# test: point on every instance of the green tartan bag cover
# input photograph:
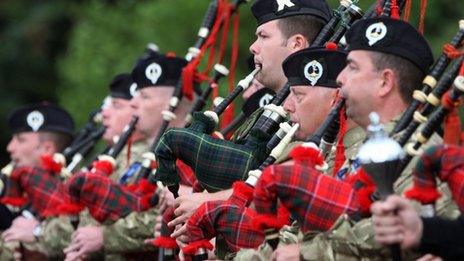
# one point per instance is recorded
(216, 163)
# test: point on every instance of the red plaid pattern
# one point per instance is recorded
(187, 177)
(12, 194)
(234, 223)
(165, 240)
(43, 188)
(105, 199)
(315, 200)
(445, 162)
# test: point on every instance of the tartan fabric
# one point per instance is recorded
(43, 188)
(315, 200)
(165, 240)
(12, 193)
(105, 199)
(234, 223)
(187, 177)
(216, 163)
(445, 162)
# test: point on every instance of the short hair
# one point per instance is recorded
(306, 25)
(409, 75)
(60, 140)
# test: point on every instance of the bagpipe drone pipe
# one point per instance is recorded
(440, 162)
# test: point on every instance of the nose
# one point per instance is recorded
(105, 113)
(134, 102)
(289, 105)
(10, 147)
(254, 47)
(341, 78)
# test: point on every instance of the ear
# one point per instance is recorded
(389, 82)
(297, 42)
(48, 147)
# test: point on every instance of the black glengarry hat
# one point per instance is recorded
(158, 70)
(41, 117)
(122, 86)
(314, 66)
(391, 36)
(267, 10)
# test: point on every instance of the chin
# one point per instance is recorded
(299, 136)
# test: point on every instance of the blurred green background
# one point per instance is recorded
(68, 51)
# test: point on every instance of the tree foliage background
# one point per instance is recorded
(68, 51)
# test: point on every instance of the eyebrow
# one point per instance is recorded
(350, 60)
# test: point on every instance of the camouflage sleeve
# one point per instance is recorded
(287, 235)
(55, 236)
(128, 234)
(347, 240)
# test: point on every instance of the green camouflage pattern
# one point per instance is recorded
(137, 150)
(128, 234)
(352, 140)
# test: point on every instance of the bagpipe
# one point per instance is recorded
(262, 187)
(182, 143)
(430, 81)
(229, 161)
(434, 161)
(85, 188)
(38, 189)
(199, 226)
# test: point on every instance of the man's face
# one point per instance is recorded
(308, 106)
(25, 149)
(148, 105)
(359, 80)
(270, 50)
(116, 115)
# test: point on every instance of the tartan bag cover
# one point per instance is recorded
(105, 199)
(44, 189)
(216, 163)
(315, 200)
(233, 222)
(445, 162)
(12, 193)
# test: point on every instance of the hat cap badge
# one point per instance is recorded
(35, 120)
(376, 32)
(281, 4)
(265, 100)
(153, 72)
(133, 89)
(313, 71)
